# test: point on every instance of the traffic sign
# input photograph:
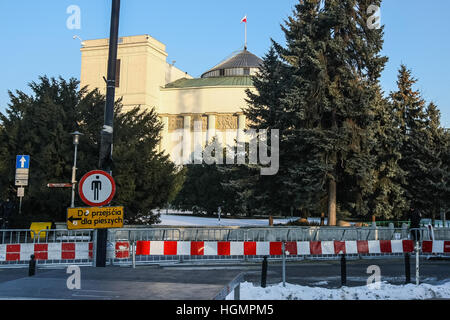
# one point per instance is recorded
(97, 188)
(95, 218)
(22, 170)
(59, 185)
(22, 162)
(20, 192)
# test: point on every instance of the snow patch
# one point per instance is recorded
(385, 292)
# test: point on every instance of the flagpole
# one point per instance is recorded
(245, 46)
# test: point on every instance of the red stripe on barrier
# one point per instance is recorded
(363, 246)
(13, 248)
(446, 246)
(41, 251)
(91, 250)
(291, 247)
(223, 248)
(276, 249)
(198, 248)
(250, 248)
(385, 246)
(427, 246)
(339, 247)
(408, 246)
(12, 252)
(68, 251)
(316, 247)
(122, 250)
(170, 248)
(142, 248)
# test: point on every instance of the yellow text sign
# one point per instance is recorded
(95, 218)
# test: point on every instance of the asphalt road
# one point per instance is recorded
(201, 282)
(115, 283)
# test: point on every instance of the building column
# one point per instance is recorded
(163, 144)
(187, 140)
(211, 133)
(241, 127)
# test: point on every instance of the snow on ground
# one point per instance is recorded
(386, 291)
(187, 220)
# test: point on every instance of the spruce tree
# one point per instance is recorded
(331, 69)
(424, 146)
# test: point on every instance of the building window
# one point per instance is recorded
(222, 72)
(246, 71)
(118, 73)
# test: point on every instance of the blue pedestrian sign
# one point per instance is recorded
(23, 162)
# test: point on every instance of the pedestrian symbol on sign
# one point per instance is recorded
(96, 186)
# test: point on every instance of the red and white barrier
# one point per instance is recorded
(121, 250)
(46, 251)
(250, 248)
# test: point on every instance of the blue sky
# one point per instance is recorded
(200, 33)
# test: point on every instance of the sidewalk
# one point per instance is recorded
(115, 283)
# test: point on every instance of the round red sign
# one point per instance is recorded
(97, 188)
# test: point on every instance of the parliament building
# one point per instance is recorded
(145, 78)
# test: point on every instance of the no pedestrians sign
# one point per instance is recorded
(97, 188)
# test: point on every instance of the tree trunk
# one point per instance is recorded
(332, 202)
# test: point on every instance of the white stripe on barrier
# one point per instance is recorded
(263, 248)
(303, 248)
(438, 246)
(328, 247)
(210, 249)
(397, 246)
(54, 251)
(2, 252)
(236, 248)
(374, 246)
(26, 250)
(351, 247)
(157, 248)
(82, 250)
(183, 248)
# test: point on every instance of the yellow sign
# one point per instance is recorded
(95, 218)
(37, 227)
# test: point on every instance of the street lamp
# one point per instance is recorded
(76, 140)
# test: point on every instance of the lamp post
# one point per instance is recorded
(76, 140)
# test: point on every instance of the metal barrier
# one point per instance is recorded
(269, 234)
(49, 247)
(76, 246)
(13, 236)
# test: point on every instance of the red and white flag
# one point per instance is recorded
(244, 19)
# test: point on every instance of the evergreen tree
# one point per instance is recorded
(387, 198)
(326, 110)
(423, 147)
(40, 125)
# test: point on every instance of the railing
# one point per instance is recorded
(223, 234)
(272, 234)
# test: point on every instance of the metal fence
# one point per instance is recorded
(19, 236)
(272, 234)
(127, 239)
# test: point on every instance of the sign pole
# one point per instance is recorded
(106, 146)
(20, 205)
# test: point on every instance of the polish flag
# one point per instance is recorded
(244, 19)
